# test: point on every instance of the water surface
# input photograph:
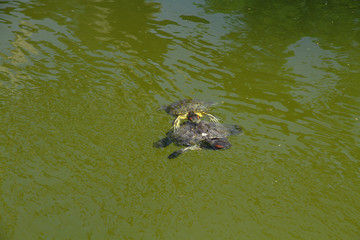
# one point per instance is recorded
(80, 87)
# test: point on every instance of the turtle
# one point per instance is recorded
(181, 109)
(196, 136)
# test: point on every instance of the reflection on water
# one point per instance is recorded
(79, 91)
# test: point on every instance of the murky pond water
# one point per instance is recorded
(81, 83)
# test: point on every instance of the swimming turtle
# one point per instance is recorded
(181, 109)
(195, 136)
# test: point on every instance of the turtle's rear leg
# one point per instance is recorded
(212, 117)
(234, 129)
(179, 152)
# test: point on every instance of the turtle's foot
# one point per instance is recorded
(212, 118)
(175, 154)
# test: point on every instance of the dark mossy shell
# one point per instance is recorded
(191, 133)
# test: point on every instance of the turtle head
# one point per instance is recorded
(193, 117)
(217, 143)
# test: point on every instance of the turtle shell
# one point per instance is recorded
(188, 105)
(191, 133)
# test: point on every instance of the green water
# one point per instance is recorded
(80, 87)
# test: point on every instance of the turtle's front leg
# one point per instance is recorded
(176, 123)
